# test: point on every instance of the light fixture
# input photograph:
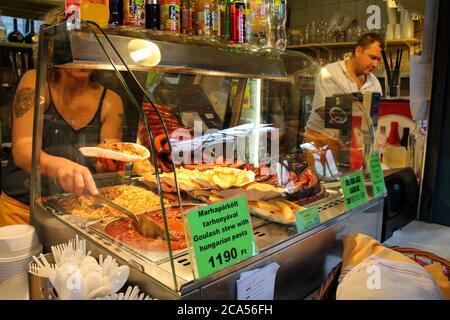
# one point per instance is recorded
(145, 52)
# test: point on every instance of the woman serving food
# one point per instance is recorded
(78, 112)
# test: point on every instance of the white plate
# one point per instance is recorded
(114, 155)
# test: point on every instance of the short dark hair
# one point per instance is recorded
(367, 39)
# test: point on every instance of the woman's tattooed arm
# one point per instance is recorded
(23, 101)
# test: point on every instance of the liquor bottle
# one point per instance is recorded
(394, 138)
(31, 37)
(116, 12)
(152, 18)
(3, 33)
(15, 35)
(404, 141)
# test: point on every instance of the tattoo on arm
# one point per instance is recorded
(23, 101)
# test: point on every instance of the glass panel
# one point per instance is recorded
(262, 126)
(231, 123)
(90, 135)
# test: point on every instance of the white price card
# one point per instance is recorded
(258, 284)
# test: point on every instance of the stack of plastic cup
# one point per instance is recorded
(18, 244)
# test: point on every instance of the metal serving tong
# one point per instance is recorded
(145, 226)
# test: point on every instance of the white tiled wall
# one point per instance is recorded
(305, 11)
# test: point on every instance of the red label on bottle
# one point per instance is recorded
(237, 18)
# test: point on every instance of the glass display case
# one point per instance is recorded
(201, 124)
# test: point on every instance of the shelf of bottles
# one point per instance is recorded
(15, 38)
(236, 25)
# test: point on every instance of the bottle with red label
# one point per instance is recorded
(170, 15)
(237, 21)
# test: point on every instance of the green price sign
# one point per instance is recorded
(306, 219)
(376, 173)
(221, 235)
(354, 190)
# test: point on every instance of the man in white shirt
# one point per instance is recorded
(342, 77)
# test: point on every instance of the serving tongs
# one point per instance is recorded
(144, 225)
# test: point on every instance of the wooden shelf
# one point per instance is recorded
(408, 42)
(15, 45)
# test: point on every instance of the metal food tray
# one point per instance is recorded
(155, 257)
(98, 226)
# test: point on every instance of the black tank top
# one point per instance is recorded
(58, 139)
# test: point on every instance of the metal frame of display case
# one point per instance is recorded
(304, 258)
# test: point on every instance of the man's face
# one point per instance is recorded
(369, 58)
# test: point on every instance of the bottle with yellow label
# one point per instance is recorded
(95, 10)
(170, 15)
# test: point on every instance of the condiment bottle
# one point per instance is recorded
(134, 13)
(152, 17)
(394, 138)
(237, 21)
(187, 17)
(170, 15)
(116, 12)
(404, 141)
(205, 18)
